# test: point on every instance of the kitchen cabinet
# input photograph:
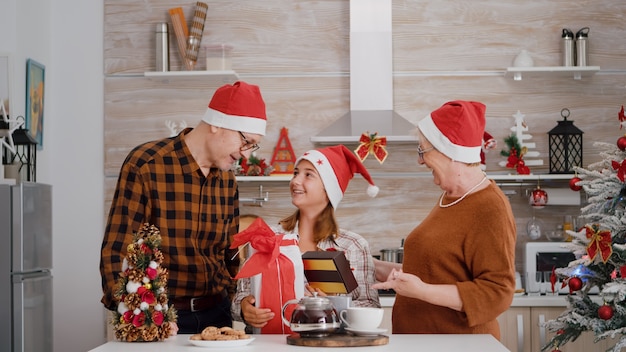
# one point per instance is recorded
(521, 331)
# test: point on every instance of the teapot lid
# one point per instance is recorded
(315, 301)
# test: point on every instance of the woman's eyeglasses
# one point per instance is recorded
(421, 152)
(247, 145)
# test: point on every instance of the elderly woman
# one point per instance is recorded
(458, 273)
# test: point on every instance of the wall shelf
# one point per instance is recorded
(219, 77)
(279, 178)
(495, 177)
(576, 72)
(531, 177)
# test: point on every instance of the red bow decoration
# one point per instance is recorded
(372, 144)
(621, 117)
(513, 161)
(276, 269)
(621, 169)
(553, 279)
(600, 243)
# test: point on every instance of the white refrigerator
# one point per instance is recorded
(26, 267)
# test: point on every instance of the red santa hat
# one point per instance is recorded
(336, 166)
(456, 130)
(238, 107)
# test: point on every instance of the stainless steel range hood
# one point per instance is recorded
(371, 79)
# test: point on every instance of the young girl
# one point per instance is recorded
(319, 180)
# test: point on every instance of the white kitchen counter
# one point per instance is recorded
(518, 301)
(278, 343)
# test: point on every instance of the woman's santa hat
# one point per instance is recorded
(336, 166)
(238, 107)
(456, 129)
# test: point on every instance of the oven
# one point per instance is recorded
(543, 257)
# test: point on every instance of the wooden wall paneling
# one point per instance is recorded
(297, 52)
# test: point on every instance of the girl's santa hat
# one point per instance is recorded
(237, 107)
(456, 129)
(336, 166)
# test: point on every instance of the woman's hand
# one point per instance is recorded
(404, 284)
(382, 269)
(310, 290)
(253, 316)
(409, 285)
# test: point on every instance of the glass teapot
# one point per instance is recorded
(312, 316)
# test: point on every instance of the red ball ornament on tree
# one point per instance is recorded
(572, 184)
(621, 142)
(605, 312)
(575, 284)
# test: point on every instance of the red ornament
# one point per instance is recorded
(572, 184)
(538, 198)
(575, 284)
(621, 143)
(556, 349)
(605, 312)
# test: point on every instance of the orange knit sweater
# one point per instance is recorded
(470, 244)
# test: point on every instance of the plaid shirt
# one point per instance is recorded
(161, 184)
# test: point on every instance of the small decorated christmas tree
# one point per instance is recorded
(600, 249)
(143, 313)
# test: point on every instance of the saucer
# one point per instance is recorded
(372, 332)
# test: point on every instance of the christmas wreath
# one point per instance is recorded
(143, 313)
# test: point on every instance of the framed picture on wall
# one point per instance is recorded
(35, 83)
(5, 83)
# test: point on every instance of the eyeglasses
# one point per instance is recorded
(421, 152)
(247, 145)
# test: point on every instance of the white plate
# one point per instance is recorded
(372, 332)
(221, 343)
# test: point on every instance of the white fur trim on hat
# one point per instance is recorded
(248, 124)
(444, 145)
(327, 173)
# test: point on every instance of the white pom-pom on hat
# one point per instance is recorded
(372, 190)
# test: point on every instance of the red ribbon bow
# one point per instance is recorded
(372, 144)
(621, 117)
(513, 161)
(621, 169)
(600, 243)
(276, 269)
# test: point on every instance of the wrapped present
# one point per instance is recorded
(275, 270)
(329, 271)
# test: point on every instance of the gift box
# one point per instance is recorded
(329, 271)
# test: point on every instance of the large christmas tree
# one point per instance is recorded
(600, 249)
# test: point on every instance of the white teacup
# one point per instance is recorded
(362, 318)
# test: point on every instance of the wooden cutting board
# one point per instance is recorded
(337, 340)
